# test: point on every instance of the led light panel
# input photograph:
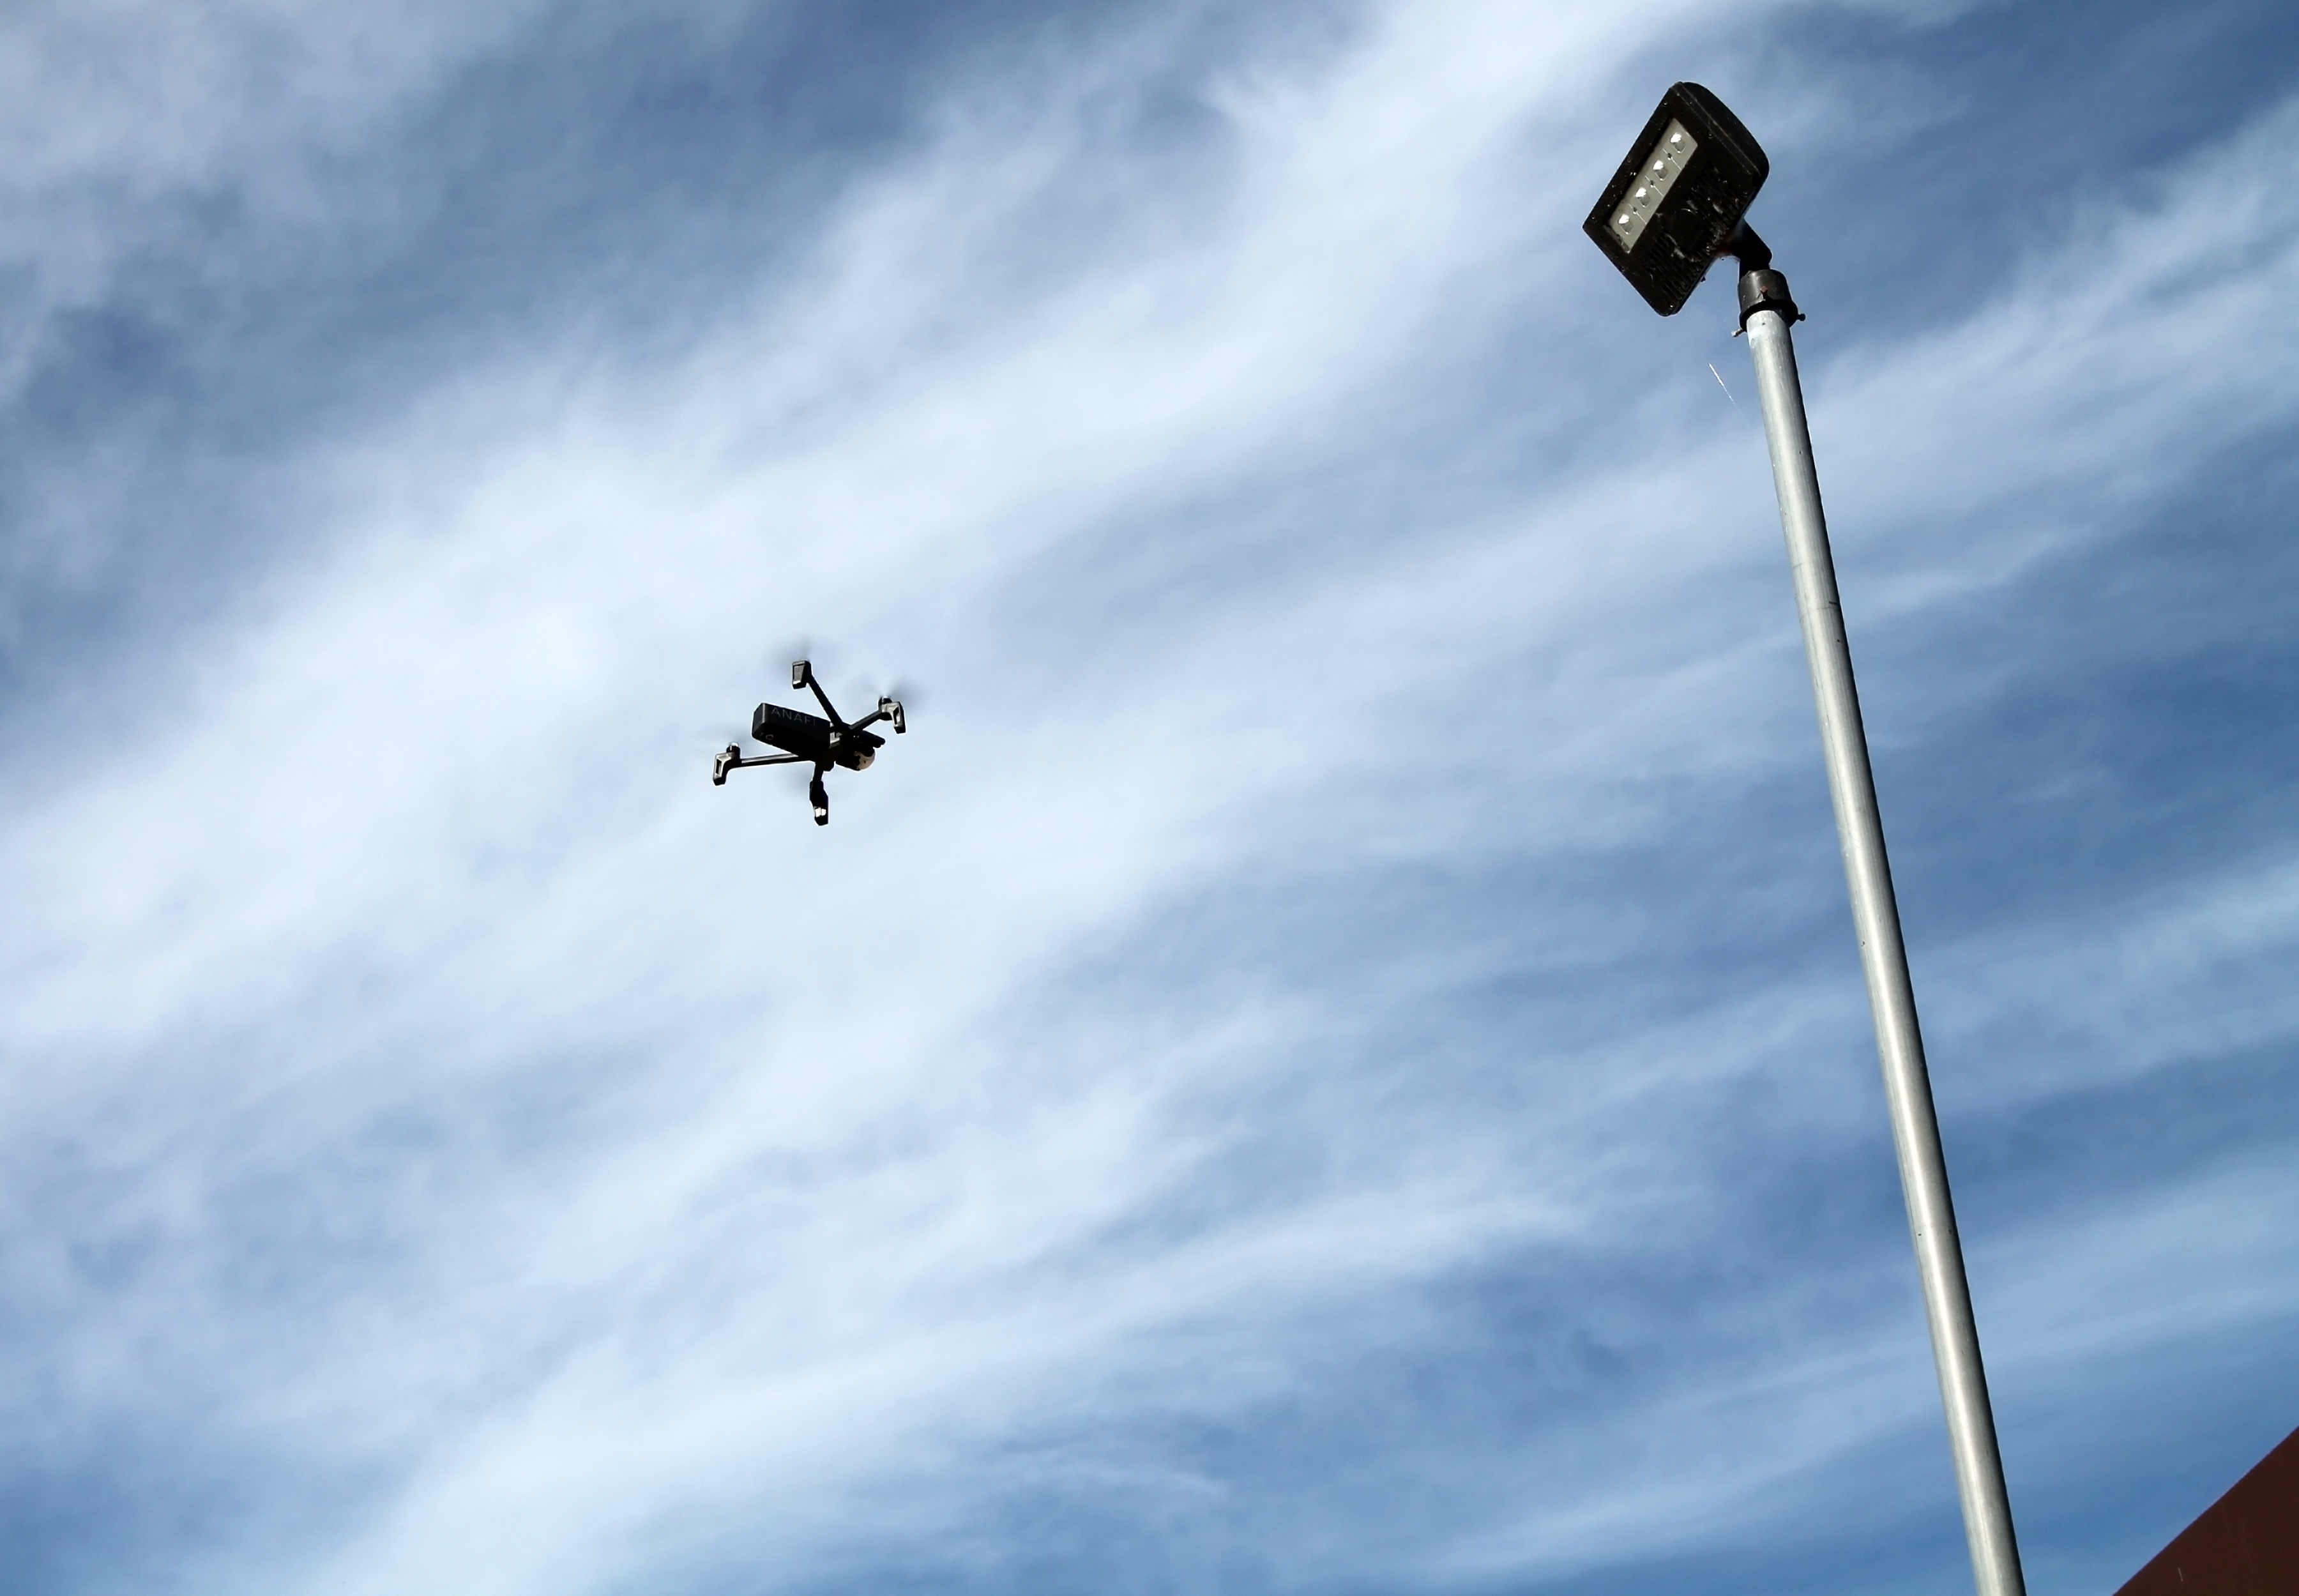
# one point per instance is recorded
(1674, 202)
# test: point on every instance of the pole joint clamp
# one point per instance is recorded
(1766, 290)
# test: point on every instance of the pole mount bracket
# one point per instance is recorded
(1765, 289)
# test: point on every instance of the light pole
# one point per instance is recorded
(1676, 205)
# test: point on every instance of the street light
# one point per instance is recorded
(1674, 207)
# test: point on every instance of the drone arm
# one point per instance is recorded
(888, 709)
(802, 676)
(733, 760)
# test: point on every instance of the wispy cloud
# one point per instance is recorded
(1329, 1054)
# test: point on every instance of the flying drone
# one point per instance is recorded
(810, 740)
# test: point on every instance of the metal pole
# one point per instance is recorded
(1767, 313)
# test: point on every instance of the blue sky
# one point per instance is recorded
(1331, 1057)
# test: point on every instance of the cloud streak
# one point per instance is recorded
(1328, 1057)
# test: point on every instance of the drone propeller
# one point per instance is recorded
(909, 693)
(895, 703)
(709, 737)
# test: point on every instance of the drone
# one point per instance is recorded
(810, 740)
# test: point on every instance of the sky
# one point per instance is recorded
(1331, 1057)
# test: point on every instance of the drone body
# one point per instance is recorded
(807, 739)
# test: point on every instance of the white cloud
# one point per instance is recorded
(660, 1173)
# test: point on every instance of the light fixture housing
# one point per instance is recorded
(1679, 196)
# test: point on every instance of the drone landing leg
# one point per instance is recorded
(815, 790)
